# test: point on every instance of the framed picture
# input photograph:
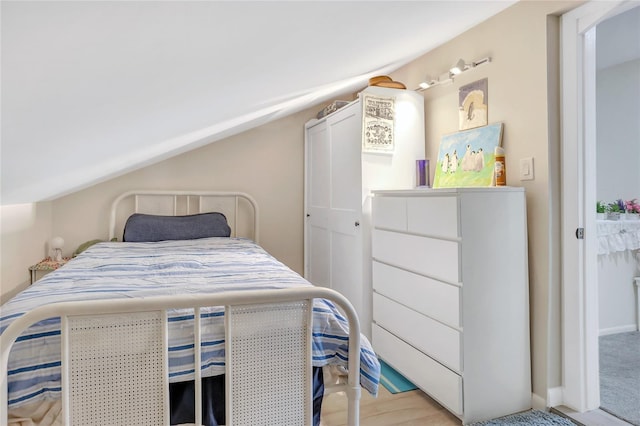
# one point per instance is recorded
(378, 124)
(466, 159)
(473, 105)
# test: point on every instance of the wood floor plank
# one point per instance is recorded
(413, 408)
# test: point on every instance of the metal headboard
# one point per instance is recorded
(240, 209)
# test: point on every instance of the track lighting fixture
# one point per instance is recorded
(460, 66)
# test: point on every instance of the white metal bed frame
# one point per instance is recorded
(174, 203)
(236, 405)
(244, 389)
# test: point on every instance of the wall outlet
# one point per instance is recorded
(526, 168)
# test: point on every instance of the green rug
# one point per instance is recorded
(393, 381)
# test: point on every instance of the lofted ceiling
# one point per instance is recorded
(94, 89)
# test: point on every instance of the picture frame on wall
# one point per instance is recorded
(473, 105)
(378, 122)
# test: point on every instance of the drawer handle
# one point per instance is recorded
(357, 223)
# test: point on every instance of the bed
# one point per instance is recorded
(214, 278)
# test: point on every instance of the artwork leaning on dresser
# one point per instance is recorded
(451, 296)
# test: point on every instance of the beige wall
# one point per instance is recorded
(25, 231)
(522, 42)
(267, 162)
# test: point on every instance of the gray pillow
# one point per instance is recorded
(146, 227)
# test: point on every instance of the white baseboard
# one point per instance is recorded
(616, 330)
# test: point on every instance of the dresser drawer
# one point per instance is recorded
(437, 340)
(429, 256)
(439, 382)
(433, 298)
(390, 213)
(433, 216)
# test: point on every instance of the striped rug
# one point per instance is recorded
(393, 381)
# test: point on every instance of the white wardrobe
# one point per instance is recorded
(339, 178)
(451, 296)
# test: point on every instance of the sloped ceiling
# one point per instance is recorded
(91, 90)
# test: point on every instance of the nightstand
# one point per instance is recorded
(45, 266)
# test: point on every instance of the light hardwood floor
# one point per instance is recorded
(415, 408)
(406, 408)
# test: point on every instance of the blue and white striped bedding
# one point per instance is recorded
(125, 270)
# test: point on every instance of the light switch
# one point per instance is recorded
(526, 168)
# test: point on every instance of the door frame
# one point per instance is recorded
(580, 360)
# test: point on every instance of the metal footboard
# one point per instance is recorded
(139, 326)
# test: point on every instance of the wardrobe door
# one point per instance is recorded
(317, 236)
(345, 213)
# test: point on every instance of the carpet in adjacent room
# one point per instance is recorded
(620, 375)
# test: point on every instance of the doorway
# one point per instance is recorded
(580, 256)
(618, 178)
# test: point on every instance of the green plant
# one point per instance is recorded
(601, 207)
(614, 207)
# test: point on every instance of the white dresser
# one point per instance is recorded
(451, 296)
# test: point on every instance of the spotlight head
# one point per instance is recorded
(459, 67)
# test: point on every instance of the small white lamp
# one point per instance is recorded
(56, 245)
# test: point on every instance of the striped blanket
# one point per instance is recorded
(127, 270)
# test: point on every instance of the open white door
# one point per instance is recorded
(579, 256)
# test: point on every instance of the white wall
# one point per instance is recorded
(618, 131)
(616, 292)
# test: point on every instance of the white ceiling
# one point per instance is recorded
(612, 34)
(91, 90)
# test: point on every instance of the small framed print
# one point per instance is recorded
(473, 105)
(378, 124)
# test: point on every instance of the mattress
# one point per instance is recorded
(131, 270)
